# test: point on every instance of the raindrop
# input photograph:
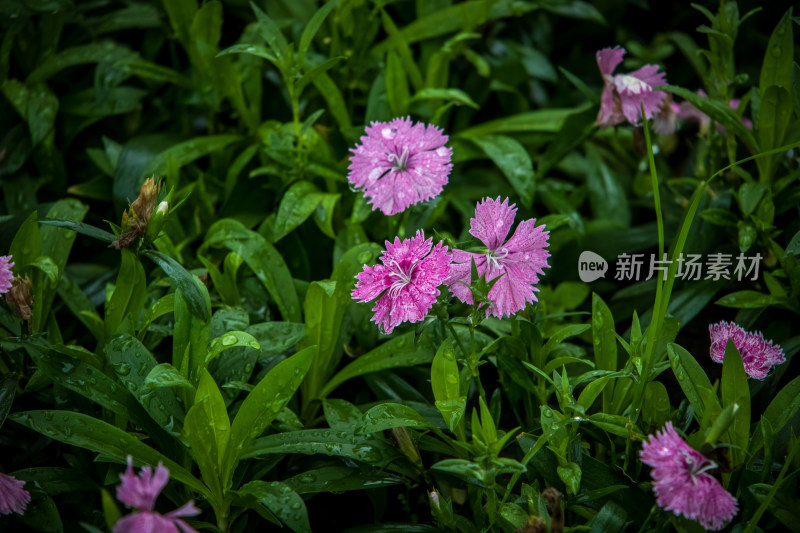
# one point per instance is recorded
(229, 340)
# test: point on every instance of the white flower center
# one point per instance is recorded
(633, 85)
(403, 278)
(495, 258)
(696, 467)
(399, 162)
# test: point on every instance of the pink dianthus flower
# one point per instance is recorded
(399, 164)
(520, 260)
(758, 354)
(682, 483)
(408, 279)
(686, 111)
(140, 492)
(624, 94)
(13, 498)
(5, 273)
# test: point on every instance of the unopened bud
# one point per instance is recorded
(157, 222)
(406, 444)
(136, 218)
(20, 299)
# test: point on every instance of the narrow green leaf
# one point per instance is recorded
(604, 341)
(262, 405)
(281, 500)
(397, 352)
(312, 28)
(92, 434)
(264, 260)
(192, 289)
(778, 57)
(690, 376)
(82, 228)
(231, 339)
(165, 375)
(270, 32)
(512, 158)
(391, 415)
(365, 448)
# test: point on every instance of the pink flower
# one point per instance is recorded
(623, 94)
(682, 483)
(5, 273)
(758, 354)
(140, 492)
(519, 260)
(688, 112)
(399, 164)
(408, 279)
(13, 498)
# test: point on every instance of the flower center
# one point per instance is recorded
(696, 467)
(399, 162)
(633, 85)
(402, 277)
(495, 258)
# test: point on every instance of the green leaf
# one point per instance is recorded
(82, 228)
(8, 386)
(541, 121)
(192, 289)
(316, 71)
(774, 117)
(604, 341)
(446, 385)
(610, 519)
(690, 376)
(339, 479)
(512, 158)
(397, 352)
(403, 50)
(132, 362)
(166, 375)
(778, 58)
(92, 434)
(456, 96)
(107, 52)
(270, 32)
(391, 415)
(333, 97)
(281, 500)
(186, 152)
(396, 85)
(780, 410)
(656, 406)
(324, 315)
(747, 300)
(262, 405)
(749, 196)
(207, 430)
(231, 339)
(297, 204)
(276, 337)
(83, 378)
(262, 258)
(368, 449)
(312, 28)
(129, 294)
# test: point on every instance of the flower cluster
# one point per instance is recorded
(411, 272)
(758, 354)
(13, 498)
(399, 164)
(682, 483)
(624, 94)
(140, 492)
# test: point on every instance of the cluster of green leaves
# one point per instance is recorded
(227, 345)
